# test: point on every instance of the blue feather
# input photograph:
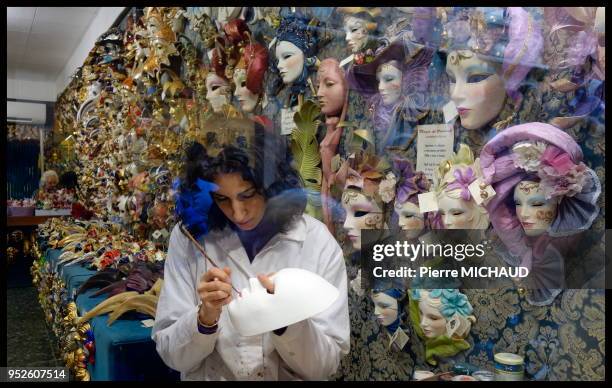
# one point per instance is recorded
(192, 206)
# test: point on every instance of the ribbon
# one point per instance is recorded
(462, 182)
(560, 161)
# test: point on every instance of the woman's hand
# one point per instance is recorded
(267, 282)
(215, 290)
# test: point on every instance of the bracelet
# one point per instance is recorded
(207, 326)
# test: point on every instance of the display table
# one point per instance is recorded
(125, 350)
(27, 220)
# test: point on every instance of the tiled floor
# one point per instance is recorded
(29, 342)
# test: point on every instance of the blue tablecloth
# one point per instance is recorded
(124, 350)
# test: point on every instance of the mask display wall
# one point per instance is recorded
(362, 81)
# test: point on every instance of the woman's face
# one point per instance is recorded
(389, 82)
(356, 33)
(385, 308)
(217, 91)
(361, 213)
(534, 211)
(239, 200)
(332, 90)
(456, 213)
(246, 98)
(290, 61)
(475, 87)
(432, 322)
(411, 220)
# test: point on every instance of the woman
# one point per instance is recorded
(257, 227)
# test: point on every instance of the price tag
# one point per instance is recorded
(450, 112)
(287, 123)
(399, 338)
(434, 144)
(428, 202)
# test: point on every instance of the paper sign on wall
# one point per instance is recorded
(434, 144)
(287, 123)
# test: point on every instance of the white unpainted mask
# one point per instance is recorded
(298, 294)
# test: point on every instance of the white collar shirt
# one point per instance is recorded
(307, 350)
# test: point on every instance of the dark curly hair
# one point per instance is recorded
(266, 163)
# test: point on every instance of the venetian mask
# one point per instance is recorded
(534, 211)
(476, 88)
(389, 78)
(432, 321)
(331, 87)
(217, 91)
(410, 219)
(444, 312)
(246, 98)
(361, 213)
(385, 308)
(290, 61)
(457, 213)
(356, 33)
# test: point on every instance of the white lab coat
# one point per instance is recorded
(310, 349)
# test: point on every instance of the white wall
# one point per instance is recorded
(103, 20)
(27, 87)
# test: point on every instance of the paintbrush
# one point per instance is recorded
(197, 244)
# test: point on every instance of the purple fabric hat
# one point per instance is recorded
(410, 183)
(510, 37)
(576, 211)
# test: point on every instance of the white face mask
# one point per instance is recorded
(389, 82)
(290, 61)
(385, 308)
(457, 213)
(534, 211)
(361, 213)
(246, 98)
(432, 322)
(356, 33)
(217, 91)
(298, 294)
(410, 219)
(475, 87)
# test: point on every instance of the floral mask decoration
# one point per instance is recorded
(559, 175)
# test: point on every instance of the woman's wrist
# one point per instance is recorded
(205, 321)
